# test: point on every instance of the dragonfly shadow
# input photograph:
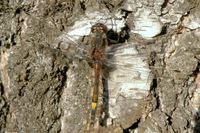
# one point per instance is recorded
(106, 69)
(105, 76)
(118, 37)
(105, 103)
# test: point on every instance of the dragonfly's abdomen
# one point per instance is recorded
(97, 69)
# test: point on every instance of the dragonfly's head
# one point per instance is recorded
(98, 36)
(99, 28)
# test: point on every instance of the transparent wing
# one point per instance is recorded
(122, 57)
(72, 46)
(128, 78)
(125, 57)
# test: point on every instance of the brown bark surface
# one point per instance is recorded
(46, 88)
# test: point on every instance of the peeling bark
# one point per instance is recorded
(45, 83)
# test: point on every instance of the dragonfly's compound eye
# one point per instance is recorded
(101, 29)
(94, 29)
(104, 28)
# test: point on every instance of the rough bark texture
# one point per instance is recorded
(45, 89)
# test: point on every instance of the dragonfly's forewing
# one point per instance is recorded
(72, 46)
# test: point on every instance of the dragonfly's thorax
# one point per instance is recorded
(97, 56)
(98, 36)
(98, 42)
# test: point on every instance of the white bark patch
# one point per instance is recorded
(195, 100)
(68, 112)
(128, 84)
(147, 24)
(192, 21)
(4, 71)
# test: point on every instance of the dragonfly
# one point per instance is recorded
(97, 50)
(121, 73)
